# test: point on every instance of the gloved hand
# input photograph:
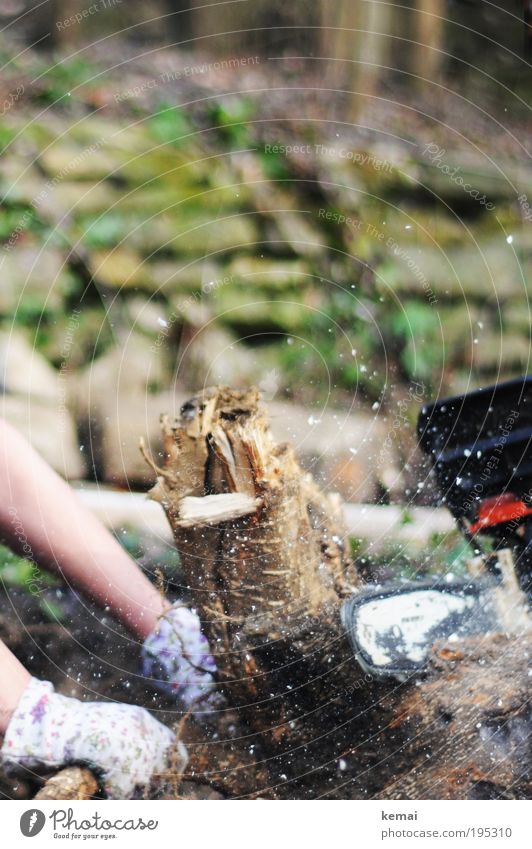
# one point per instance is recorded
(123, 742)
(177, 656)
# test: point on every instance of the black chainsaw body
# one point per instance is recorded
(480, 445)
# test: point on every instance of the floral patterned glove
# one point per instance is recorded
(177, 656)
(125, 743)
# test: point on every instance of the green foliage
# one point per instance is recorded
(106, 231)
(52, 610)
(170, 125)
(443, 554)
(231, 116)
(343, 346)
(356, 545)
(141, 548)
(15, 216)
(414, 327)
(130, 539)
(62, 77)
(18, 572)
(274, 165)
(453, 553)
(6, 136)
(394, 562)
(31, 311)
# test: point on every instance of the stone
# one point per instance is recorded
(66, 160)
(50, 430)
(120, 268)
(296, 230)
(208, 237)
(18, 185)
(83, 197)
(146, 233)
(215, 356)
(126, 420)
(116, 401)
(263, 312)
(516, 317)
(174, 167)
(488, 271)
(349, 453)
(155, 197)
(171, 277)
(496, 179)
(23, 371)
(495, 351)
(146, 315)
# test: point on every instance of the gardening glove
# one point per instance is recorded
(124, 743)
(176, 654)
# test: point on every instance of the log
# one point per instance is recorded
(268, 584)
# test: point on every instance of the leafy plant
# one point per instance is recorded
(106, 231)
(231, 116)
(415, 329)
(169, 125)
(60, 78)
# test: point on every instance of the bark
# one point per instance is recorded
(268, 584)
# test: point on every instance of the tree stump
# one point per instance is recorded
(267, 562)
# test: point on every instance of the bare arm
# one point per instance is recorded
(13, 681)
(43, 519)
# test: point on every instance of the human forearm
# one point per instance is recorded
(43, 519)
(13, 681)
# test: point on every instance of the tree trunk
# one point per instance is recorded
(356, 37)
(428, 52)
(266, 559)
